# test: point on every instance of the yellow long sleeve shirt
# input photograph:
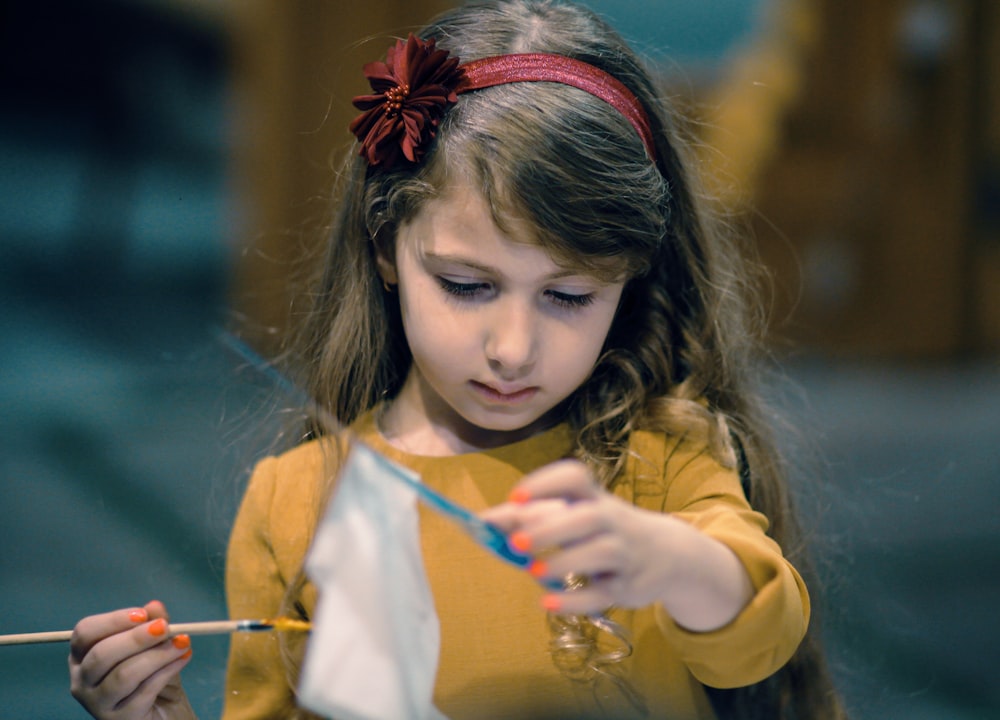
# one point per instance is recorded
(495, 660)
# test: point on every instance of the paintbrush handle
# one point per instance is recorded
(38, 637)
(217, 627)
(212, 627)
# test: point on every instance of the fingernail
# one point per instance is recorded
(519, 496)
(520, 541)
(138, 615)
(186, 655)
(157, 627)
(538, 569)
(552, 603)
(181, 642)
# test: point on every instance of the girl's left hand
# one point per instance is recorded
(630, 557)
(559, 515)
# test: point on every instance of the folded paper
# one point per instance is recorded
(373, 650)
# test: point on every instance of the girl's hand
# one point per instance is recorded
(630, 557)
(124, 665)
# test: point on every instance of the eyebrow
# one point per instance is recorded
(472, 264)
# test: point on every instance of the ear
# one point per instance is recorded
(386, 269)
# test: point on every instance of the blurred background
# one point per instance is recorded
(162, 163)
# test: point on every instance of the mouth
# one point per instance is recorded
(504, 395)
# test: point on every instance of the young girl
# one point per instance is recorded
(524, 301)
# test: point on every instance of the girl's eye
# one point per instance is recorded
(568, 300)
(460, 289)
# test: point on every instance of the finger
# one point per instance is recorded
(126, 677)
(603, 556)
(568, 479)
(95, 628)
(510, 519)
(505, 516)
(156, 609)
(111, 652)
(547, 526)
(148, 676)
(592, 599)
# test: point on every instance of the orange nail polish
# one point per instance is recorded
(520, 542)
(551, 603)
(519, 496)
(138, 615)
(538, 569)
(157, 627)
(181, 642)
(186, 655)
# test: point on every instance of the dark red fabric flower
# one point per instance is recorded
(413, 87)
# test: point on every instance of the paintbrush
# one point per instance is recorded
(484, 533)
(213, 627)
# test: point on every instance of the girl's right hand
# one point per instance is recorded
(123, 665)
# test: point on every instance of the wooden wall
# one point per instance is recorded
(296, 66)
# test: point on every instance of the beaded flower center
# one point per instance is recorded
(394, 99)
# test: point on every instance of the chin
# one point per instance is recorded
(509, 422)
(502, 424)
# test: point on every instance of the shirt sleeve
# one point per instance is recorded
(763, 637)
(256, 684)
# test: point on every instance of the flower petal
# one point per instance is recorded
(412, 90)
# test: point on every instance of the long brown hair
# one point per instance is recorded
(681, 353)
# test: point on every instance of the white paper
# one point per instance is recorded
(373, 650)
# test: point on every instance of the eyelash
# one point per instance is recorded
(471, 290)
(461, 290)
(570, 301)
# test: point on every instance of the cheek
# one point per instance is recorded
(431, 329)
(589, 353)
(576, 352)
(597, 338)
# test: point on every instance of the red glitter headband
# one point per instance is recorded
(417, 82)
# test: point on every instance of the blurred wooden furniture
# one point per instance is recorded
(875, 202)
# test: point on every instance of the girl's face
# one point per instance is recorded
(500, 334)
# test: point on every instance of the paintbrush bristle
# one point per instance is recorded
(283, 624)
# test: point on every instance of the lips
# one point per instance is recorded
(507, 395)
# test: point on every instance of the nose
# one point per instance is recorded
(512, 339)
